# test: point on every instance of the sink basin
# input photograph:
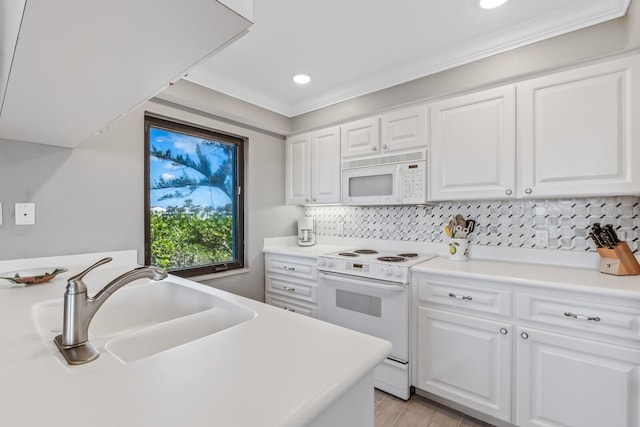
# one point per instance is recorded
(143, 319)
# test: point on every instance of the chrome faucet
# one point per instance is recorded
(79, 309)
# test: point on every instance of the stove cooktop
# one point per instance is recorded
(383, 265)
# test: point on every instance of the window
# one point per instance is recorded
(193, 199)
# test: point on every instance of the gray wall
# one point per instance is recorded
(91, 199)
(601, 40)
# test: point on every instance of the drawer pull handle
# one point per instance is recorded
(465, 297)
(289, 268)
(504, 331)
(287, 288)
(524, 335)
(582, 316)
(289, 309)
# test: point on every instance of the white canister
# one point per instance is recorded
(458, 249)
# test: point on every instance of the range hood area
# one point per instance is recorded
(69, 68)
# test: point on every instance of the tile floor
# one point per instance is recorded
(417, 412)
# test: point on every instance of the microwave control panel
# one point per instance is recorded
(414, 182)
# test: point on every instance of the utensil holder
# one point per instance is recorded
(618, 261)
(458, 249)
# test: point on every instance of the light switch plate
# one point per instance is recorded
(25, 213)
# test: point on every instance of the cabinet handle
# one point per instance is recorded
(504, 331)
(289, 309)
(527, 190)
(384, 146)
(289, 268)
(524, 335)
(508, 192)
(314, 200)
(287, 288)
(374, 148)
(582, 316)
(306, 200)
(452, 295)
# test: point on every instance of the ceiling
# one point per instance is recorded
(354, 47)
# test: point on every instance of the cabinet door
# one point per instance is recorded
(564, 381)
(473, 146)
(298, 172)
(360, 138)
(576, 131)
(325, 166)
(405, 129)
(466, 359)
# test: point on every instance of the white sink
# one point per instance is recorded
(143, 319)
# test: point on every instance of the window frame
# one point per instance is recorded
(198, 131)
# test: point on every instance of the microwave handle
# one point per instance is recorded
(364, 283)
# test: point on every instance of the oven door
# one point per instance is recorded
(374, 307)
(371, 185)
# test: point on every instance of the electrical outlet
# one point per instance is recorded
(542, 238)
(25, 213)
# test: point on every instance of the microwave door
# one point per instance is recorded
(371, 186)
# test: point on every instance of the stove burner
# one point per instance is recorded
(347, 254)
(391, 258)
(365, 251)
(409, 255)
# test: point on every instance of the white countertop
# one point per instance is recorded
(551, 276)
(580, 273)
(278, 369)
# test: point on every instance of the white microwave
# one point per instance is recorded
(398, 179)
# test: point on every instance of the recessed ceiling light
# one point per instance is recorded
(490, 4)
(301, 79)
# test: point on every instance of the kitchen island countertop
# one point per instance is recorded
(277, 369)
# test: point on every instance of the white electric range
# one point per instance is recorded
(368, 291)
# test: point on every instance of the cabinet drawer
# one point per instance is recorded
(294, 306)
(610, 320)
(297, 289)
(479, 299)
(304, 268)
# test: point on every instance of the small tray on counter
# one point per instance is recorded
(32, 276)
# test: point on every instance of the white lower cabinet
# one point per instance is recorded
(291, 283)
(565, 381)
(542, 358)
(466, 359)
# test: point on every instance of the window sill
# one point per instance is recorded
(213, 276)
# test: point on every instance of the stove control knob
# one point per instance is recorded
(322, 262)
(388, 271)
(330, 263)
(398, 273)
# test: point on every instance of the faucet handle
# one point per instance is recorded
(75, 284)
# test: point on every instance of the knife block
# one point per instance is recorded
(619, 261)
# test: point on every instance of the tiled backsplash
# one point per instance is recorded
(498, 223)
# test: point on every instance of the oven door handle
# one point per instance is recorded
(363, 283)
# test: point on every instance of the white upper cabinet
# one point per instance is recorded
(313, 167)
(360, 138)
(78, 65)
(566, 134)
(325, 166)
(399, 130)
(404, 129)
(472, 150)
(298, 172)
(576, 131)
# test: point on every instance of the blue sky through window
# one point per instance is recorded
(177, 143)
